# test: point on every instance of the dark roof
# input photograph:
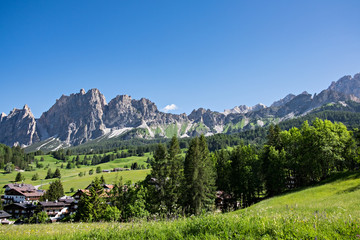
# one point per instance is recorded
(67, 201)
(104, 186)
(51, 204)
(4, 214)
(21, 205)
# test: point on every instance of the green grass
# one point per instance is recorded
(183, 128)
(70, 177)
(171, 130)
(327, 211)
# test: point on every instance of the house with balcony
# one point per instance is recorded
(20, 192)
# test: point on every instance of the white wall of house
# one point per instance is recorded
(14, 198)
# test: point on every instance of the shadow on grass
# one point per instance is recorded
(334, 177)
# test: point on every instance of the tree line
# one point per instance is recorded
(235, 178)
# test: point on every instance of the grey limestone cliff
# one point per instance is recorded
(19, 127)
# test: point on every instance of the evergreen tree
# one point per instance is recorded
(57, 173)
(35, 177)
(199, 189)
(19, 177)
(167, 175)
(102, 180)
(223, 170)
(273, 137)
(49, 174)
(159, 175)
(91, 207)
(55, 191)
(175, 177)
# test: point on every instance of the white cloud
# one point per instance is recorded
(170, 107)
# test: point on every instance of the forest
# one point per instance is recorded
(236, 178)
(200, 180)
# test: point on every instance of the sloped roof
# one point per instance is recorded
(20, 186)
(4, 214)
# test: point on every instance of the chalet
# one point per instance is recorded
(17, 210)
(20, 192)
(4, 217)
(80, 192)
(106, 187)
(54, 209)
(120, 169)
(69, 203)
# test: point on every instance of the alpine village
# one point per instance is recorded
(127, 162)
(177, 120)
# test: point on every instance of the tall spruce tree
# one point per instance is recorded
(166, 175)
(19, 177)
(159, 175)
(175, 177)
(199, 188)
(55, 191)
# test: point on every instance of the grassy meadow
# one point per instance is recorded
(70, 177)
(330, 210)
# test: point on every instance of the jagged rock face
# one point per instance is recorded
(347, 85)
(329, 96)
(123, 111)
(283, 101)
(242, 109)
(19, 127)
(75, 118)
(80, 117)
(208, 117)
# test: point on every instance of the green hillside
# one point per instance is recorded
(327, 211)
(70, 177)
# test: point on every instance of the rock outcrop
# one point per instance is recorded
(347, 85)
(80, 117)
(74, 119)
(18, 128)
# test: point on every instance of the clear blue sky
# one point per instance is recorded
(211, 54)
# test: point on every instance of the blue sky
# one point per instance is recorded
(211, 54)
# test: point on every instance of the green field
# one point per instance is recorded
(327, 211)
(70, 177)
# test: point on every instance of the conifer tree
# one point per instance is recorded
(199, 189)
(175, 176)
(19, 177)
(159, 175)
(49, 174)
(55, 191)
(57, 173)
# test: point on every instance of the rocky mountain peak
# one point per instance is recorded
(79, 117)
(347, 85)
(75, 118)
(283, 101)
(2, 116)
(18, 127)
(242, 109)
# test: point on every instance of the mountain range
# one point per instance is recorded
(84, 116)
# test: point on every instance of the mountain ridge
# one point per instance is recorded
(84, 116)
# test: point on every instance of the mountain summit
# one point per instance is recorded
(84, 116)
